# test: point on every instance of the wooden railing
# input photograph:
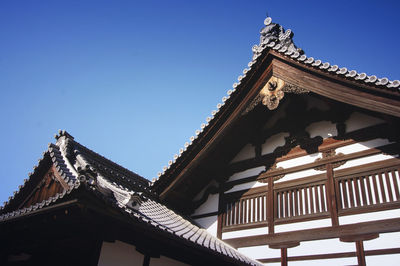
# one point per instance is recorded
(372, 187)
(368, 189)
(246, 210)
(304, 200)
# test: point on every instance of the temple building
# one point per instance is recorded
(297, 165)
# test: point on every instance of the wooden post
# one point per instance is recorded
(221, 208)
(360, 253)
(331, 195)
(146, 260)
(270, 205)
(284, 257)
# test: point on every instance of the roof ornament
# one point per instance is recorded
(274, 34)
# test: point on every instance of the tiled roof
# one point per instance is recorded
(274, 37)
(126, 191)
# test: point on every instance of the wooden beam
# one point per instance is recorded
(360, 253)
(373, 227)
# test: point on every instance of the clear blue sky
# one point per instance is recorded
(133, 80)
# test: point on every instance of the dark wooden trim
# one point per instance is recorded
(220, 213)
(209, 214)
(360, 253)
(238, 227)
(377, 227)
(359, 135)
(146, 260)
(270, 205)
(244, 193)
(331, 195)
(355, 238)
(351, 156)
(336, 89)
(374, 252)
(284, 258)
(302, 218)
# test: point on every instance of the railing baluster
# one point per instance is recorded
(350, 186)
(376, 191)
(301, 201)
(311, 194)
(344, 191)
(382, 186)
(316, 196)
(322, 195)
(389, 186)
(369, 190)
(357, 191)
(396, 185)
(363, 194)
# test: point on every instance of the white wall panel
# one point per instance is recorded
(273, 142)
(210, 205)
(303, 225)
(326, 246)
(362, 146)
(365, 160)
(359, 120)
(247, 173)
(299, 161)
(247, 185)
(119, 254)
(326, 262)
(387, 240)
(383, 260)
(325, 129)
(245, 232)
(209, 223)
(260, 252)
(247, 152)
(367, 217)
(300, 174)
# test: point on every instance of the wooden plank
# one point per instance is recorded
(291, 203)
(310, 192)
(360, 253)
(253, 209)
(376, 191)
(301, 201)
(379, 226)
(389, 186)
(236, 212)
(296, 203)
(322, 195)
(382, 186)
(363, 194)
(331, 195)
(284, 261)
(351, 193)
(344, 191)
(286, 203)
(357, 191)
(334, 255)
(281, 214)
(270, 206)
(396, 185)
(316, 195)
(369, 190)
(306, 197)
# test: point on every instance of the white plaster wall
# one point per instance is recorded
(313, 102)
(245, 232)
(300, 174)
(247, 152)
(273, 142)
(362, 146)
(247, 173)
(209, 223)
(247, 185)
(358, 120)
(367, 217)
(119, 254)
(387, 240)
(210, 205)
(310, 158)
(165, 261)
(325, 262)
(325, 129)
(386, 260)
(260, 252)
(365, 160)
(326, 246)
(303, 225)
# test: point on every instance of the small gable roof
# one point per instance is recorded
(85, 171)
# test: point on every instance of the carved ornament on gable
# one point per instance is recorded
(331, 153)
